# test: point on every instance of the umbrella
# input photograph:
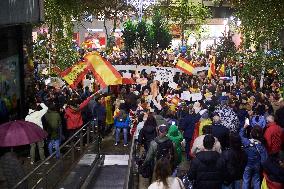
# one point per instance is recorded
(17, 133)
(54, 82)
(228, 117)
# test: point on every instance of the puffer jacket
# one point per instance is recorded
(207, 170)
(122, 123)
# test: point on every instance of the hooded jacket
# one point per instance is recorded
(207, 170)
(73, 115)
(176, 137)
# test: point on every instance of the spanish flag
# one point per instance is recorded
(212, 70)
(222, 70)
(185, 66)
(75, 74)
(103, 71)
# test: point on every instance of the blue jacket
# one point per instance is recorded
(122, 124)
(255, 151)
(188, 124)
(100, 112)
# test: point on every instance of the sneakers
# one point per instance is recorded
(32, 162)
(116, 144)
(125, 145)
(46, 163)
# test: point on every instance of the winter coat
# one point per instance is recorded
(206, 170)
(73, 115)
(242, 115)
(188, 124)
(261, 121)
(235, 163)
(176, 137)
(138, 129)
(35, 116)
(229, 118)
(255, 151)
(100, 112)
(274, 171)
(52, 124)
(151, 154)
(146, 135)
(198, 145)
(173, 182)
(222, 134)
(273, 136)
(118, 123)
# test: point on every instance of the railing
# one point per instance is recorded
(48, 173)
(129, 180)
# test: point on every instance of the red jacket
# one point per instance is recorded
(274, 138)
(73, 115)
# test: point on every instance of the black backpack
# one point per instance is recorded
(165, 149)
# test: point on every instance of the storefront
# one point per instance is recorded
(15, 39)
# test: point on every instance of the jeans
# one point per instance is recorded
(234, 185)
(187, 148)
(40, 146)
(117, 132)
(54, 144)
(254, 174)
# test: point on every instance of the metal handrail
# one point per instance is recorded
(73, 145)
(130, 164)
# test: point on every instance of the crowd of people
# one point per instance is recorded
(232, 137)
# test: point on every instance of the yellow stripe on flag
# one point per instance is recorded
(104, 72)
(185, 66)
(76, 70)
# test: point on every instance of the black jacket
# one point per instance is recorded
(206, 170)
(234, 164)
(222, 133)
(146, 135)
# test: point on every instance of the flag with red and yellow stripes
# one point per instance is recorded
(185, 66)
(212, 69)
(222, 70)
(103, 71)
(75, 74)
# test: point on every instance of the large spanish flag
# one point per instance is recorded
(185, 66)
(75, 74)
(212, 69)
(104, 72)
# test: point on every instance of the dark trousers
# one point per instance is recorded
(187, 147)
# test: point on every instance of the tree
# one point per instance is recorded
(184, 13)
(141, 35)
(129, 36)
(226, 48)
(261, 21)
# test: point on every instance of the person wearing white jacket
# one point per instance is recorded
(34, 116)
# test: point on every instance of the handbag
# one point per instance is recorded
(146, 170)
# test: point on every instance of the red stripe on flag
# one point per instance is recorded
(184, 70)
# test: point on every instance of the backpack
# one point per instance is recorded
(164, 149)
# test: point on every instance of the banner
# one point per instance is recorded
(75, 74)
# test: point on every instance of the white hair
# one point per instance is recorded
(270, 119)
